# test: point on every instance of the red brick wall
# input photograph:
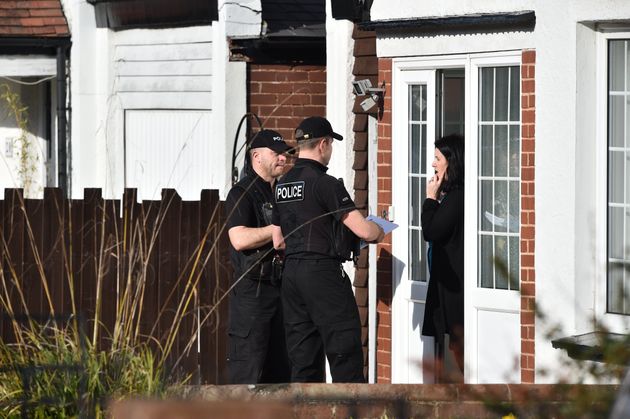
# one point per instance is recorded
(384, 250)
(283, 95)
(365, 67)
(528, 219)
(374, 401)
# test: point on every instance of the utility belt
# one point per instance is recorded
(267, 270)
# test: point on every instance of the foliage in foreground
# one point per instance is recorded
(66, 365)
(59, 374)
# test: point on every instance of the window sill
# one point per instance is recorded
(595, 346)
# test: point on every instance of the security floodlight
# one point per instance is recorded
(360, 86)
(364, 87)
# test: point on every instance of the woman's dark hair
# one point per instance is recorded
(452, 147)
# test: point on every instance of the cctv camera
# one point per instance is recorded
(360, 87)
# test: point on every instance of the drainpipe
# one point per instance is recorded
(62, 122)
(372, 257)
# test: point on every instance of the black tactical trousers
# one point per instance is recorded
(257, 348)
(321, 317)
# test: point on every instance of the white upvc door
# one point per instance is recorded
(413, 136)
(492, 220)
(492, 209)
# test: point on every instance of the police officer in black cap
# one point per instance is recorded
(318, 225)
(257, 350)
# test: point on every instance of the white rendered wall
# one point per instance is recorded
(339, 96)
(565, 184)
(89, 83)
(243, 19)
(229, 102)
(177, 69)
(339, 102)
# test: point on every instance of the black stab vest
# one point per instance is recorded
(260, 258)
(310, 231)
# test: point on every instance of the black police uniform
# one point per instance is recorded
(320, 312)
(257, 350)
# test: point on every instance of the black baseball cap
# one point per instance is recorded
(270, 139)
(315, 127)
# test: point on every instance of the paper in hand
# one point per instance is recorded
(386, 225)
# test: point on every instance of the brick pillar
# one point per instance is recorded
(384, 250)
(528, 219)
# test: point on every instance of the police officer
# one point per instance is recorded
(317, 223)
(257, 349)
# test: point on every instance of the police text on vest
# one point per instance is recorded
(289, 192)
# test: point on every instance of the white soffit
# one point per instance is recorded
(27, 65)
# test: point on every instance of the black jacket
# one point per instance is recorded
(249, 204)
(443, 225)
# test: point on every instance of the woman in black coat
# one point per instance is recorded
(443, 226)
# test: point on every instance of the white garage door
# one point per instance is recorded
(168, 149)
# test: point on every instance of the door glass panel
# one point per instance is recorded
(486, 263)
(485, 150)
(500, 206)
(415, 203)
(515, 96)
(486, 88)
(501, 261)
(486, 216)
(615, 171)
(499, 177)
(415, 156)
(616, 65)
(415, 256)
(502, 86)
(515, 151)
(514, 217)
(616, 121)
(416, 93)
(500, 151)
(514, 255)
(417, 147)
(618, 201)
(452, 112)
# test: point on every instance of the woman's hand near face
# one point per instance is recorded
(433, 186)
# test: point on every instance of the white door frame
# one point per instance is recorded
(405, 291)
(475, 298)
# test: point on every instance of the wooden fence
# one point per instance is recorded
(157, 267)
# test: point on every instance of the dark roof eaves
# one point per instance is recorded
(34, 41)
(519, 20)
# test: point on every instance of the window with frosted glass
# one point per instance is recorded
(417, 175)
(499, 158)
(618, 248)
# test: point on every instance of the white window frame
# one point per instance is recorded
(613, 322)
